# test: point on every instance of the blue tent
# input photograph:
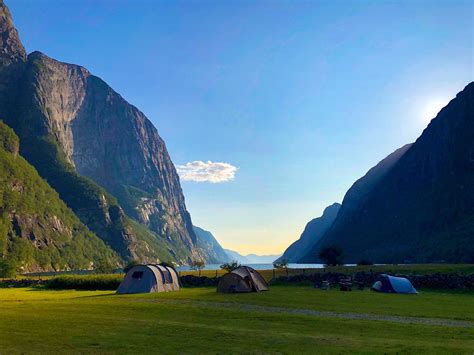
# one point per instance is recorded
(391, 284)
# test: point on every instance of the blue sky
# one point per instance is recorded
(302, 97)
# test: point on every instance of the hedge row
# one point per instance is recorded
(196, 281)
(430, 281)
(85, 282)
(10, 283)
(112, 281)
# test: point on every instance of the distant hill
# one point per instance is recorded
(421, 208)
(233, 255)
(210, 247)
(312, 233)
(38, 232)
(251, 258)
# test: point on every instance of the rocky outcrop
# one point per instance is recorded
(312, 233)
(421, 209)
(12, 58)
(12, 49)
(73, 126)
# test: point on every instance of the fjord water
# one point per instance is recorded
(256, 266)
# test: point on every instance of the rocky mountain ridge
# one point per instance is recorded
(102, 155)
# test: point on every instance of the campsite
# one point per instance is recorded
(201, 320)
(236, 177)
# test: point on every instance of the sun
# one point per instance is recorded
(431, 109)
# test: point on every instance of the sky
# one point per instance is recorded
(269, 109)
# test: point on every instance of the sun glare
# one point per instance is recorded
(431, 109)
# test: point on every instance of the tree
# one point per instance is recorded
(103, 266)
(234, 264)
(331, 255)
(197, 265)
(7, 268)
(281, 265)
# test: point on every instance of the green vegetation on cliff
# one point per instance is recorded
(37, 230)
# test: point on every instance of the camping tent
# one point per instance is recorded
(242, 279)
(149, 278)
(392, 284)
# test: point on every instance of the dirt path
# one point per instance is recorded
(310, 312)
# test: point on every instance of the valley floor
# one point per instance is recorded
(287, 319)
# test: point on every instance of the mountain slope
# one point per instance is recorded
(233, 255)
(210, 247)
(313, 231)
(37, 230)
(74, 125)
(251, 258)
(422, 208)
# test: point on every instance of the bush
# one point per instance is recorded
(365, 262)
(85, 282)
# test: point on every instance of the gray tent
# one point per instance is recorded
(150, 278)
(242, 279)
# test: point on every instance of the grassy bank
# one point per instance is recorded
(201, 321)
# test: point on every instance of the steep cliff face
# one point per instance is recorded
(422, 208)
(37, 230)
(312, 233)
(74, 125)
(12, 58)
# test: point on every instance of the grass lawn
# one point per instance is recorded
(201, 321)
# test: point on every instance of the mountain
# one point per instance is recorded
(101, 154)
(251, 258)
(421, 208)
(209, 247)
(261, 259)
(233, 255)
(37, 230)
(356, 195)
(312, 233)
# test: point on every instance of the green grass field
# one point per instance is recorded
(282, 320)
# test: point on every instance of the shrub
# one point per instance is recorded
(7, 268)
(85, 282)
(104, 266)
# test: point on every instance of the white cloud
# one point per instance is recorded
(201, 171)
